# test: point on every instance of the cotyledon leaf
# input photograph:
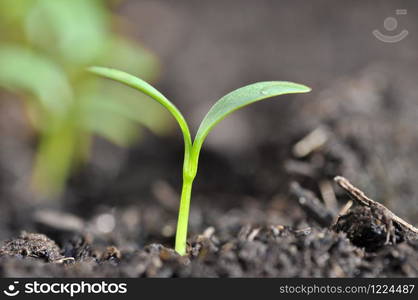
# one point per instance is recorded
(240, 98)
(149, 90)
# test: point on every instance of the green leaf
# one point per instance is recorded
(123, 105)
(148, 90)
(26, 70)
(14, 11)
(76, 29)
(240, 98)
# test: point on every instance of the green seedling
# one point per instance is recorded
(222, 108)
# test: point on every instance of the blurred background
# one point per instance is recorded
(80, 152)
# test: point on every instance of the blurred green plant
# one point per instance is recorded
(45, 46)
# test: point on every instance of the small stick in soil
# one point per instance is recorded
(344, 210)
(360, 198)
(311, 205)
(314, 140)
(328, 195)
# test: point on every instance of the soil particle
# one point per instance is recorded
(393, 261)
(111, 253)
(33, 245)
(78, 247)
(365, 229)
(370, 224)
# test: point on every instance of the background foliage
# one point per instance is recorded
(45, 46)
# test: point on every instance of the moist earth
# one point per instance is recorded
(272, 211)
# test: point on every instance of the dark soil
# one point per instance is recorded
(32, 245)
(277, 218)
(254, 251)
(271, 208)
